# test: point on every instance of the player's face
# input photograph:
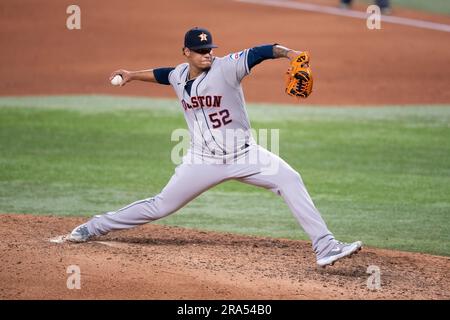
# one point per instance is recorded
(201, 58)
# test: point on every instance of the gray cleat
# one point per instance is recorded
(79, 234)
(339, 251)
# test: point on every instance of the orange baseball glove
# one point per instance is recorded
(299, 79)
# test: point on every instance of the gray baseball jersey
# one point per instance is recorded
(215, 107)
(214, 103)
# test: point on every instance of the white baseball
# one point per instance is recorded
(117, 80)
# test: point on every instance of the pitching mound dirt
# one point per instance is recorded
(160, 262)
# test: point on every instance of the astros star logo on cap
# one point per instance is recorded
(203, 37)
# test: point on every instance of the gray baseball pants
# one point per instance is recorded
(257, 166)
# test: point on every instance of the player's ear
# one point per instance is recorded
(186, 51)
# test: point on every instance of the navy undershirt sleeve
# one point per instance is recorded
(162, 75)
(259, 54)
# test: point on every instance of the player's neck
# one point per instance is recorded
(194, 72)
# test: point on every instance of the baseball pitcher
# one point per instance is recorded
(211, 97)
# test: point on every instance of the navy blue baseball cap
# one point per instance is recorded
(198, 38)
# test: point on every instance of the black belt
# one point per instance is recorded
(245, 146)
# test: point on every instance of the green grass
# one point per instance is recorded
(436, 6)
(377, 174)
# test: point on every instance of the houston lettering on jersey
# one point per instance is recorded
(202, 101)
